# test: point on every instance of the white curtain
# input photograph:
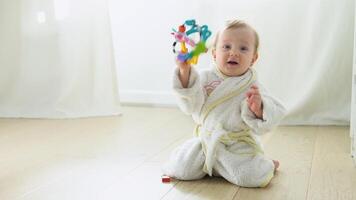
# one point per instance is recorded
(305, 54)
(56, 59)
(307, 60)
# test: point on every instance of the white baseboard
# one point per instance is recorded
(142, 97)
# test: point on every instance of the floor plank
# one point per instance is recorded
(125, 152)
(142, 183)
(204, 189)
(333, 174)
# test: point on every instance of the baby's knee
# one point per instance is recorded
(187, 169)
(186, 162)
(256, 178)
(250, 176)
(244, 180)
(189, 174)
(260, 172)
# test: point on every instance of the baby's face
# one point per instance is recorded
(235, 51)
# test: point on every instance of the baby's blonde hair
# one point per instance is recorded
(235, 24)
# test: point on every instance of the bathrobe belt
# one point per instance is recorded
(209, 141)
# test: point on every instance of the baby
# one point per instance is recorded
(231, 109)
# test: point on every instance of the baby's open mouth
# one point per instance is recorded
(232, 62)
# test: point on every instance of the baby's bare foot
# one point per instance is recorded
(276, 164)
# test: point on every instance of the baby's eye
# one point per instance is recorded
(226, 47)
(244, 48)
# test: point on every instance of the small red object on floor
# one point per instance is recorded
(166, 179)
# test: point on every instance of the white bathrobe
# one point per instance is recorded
(226, 142)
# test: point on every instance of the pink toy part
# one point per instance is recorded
(181, 37)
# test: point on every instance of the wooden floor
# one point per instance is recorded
(120, 158)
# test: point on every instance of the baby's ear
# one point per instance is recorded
(255, 57)
(213, 53)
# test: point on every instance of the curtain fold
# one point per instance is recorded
(56, 59)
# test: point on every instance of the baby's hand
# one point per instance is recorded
(254, 101)
(184, 72)
(183, 66)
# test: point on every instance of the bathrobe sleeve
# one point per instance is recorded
(190, 99)
(273, 113)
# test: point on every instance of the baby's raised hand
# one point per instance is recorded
(183, 66)
(254, 101)
(184, 72)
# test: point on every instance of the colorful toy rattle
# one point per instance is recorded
(184, 37)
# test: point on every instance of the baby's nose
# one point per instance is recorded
(234, 53)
